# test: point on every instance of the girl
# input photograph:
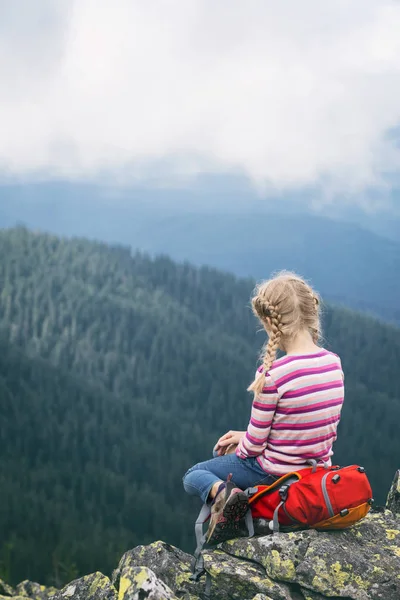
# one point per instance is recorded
(295, 412)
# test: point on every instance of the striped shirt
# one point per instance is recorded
(295, 418)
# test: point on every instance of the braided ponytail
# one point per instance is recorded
(315, 327)
(270, 350)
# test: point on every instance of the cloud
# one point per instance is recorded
(290, 94)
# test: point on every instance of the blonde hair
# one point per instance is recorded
(285, 305)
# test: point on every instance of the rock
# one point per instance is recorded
(393, 499)
(237, 580)
(139, 583)
(360, 563)
(30, 589)
(169, 564)
(5, 589)
(91, 587)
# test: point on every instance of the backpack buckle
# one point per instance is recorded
(283, 492)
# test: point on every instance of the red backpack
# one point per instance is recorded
(315, 497)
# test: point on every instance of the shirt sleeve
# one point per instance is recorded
(262, 414)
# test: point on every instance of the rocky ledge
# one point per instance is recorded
(360, 563)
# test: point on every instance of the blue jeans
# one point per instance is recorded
(199, 480)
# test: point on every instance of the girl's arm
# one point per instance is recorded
(262, 413)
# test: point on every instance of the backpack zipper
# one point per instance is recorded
(326, 496)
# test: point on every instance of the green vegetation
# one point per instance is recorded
(117, 373)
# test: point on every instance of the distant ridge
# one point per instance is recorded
(348, 264)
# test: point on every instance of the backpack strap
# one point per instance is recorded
(207, 589)
(257, 492)
(249, 523)
(198, 562)
(198, 527)
(314, 463)
(275, 520)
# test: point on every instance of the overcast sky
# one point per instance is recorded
(290, 93)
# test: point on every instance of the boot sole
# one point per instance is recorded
(236, 507)
(234, 510)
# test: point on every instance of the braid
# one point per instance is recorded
(270, 349)
(314, 331)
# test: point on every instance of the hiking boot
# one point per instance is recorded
(227, 511)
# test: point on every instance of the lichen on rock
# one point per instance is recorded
(91, 587)
(35, 591)
(337, 563)
(241, 579)
(138, 583)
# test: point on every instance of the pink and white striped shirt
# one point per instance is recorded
(295, 418)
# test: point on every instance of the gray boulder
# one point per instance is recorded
(91, 587)
(393, 499)
(30, 589)
(140, 583)
(5, 589)
(168, 563)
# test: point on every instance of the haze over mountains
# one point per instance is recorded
(349, 264)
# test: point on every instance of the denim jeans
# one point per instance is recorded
(199, 480)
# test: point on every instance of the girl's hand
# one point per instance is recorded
(230, 449)
(232, 437)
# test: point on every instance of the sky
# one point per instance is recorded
(288, 94)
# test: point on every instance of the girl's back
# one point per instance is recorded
(305, 394)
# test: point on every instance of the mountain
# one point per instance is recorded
(118, 372)
(348, 264)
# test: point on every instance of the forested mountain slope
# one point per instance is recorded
(118, 372)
